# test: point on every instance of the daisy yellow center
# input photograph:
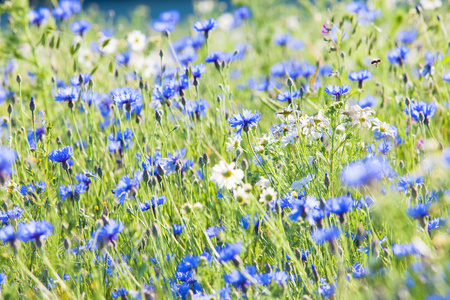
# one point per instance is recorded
(227, 174)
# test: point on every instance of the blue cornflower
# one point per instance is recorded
(240, 14)
(173, 162)
(67, 191)
(198, 70)
(80, 27)
(368, 101)
(154, 201)
(163, 26)
(61, 155)
(123, 58)
(322, 235)
(282, 39)
(196, 109)
(420, 107)
(213, 231)
(245, 121)
(177, 229)
(360, 76)
(384, 146)
(130, 99)
(66, 8)
(404, 250)
(35, 231)
(83, 178)
(238, 279)
(67, 94)
(399, 55)
(187, 57)
(363, 172)
(120, 141)
(75, 80)
(162, 95)
(188, 263)
(4, 94)
(205, 26)
(7, 159)
(247, 220)
(408, 181)
(172, 16)
(407, 36)
(35, 187)
(36, 135)
(436, 223)
(7, 235)
(108, 233)
(358, 270)
(214, 56)
(229, 252)
(120, 292)
(39, 16)
(337, 91)
(327, 290)
(127, 187)
(197, 41)
(419, 211)
(339, 205)
(288, 96)
(11, 214)
(446, 76)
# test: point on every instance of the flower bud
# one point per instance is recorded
(32, 104)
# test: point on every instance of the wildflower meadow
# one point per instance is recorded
(244, 150)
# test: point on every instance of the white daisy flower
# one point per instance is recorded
(268, 195)
(136, 40)
(226, 176)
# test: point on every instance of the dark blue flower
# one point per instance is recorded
(399, 55)
(360, 76)
(417, 108)
(188, 263)
(67, 191)
(338, 91)
(213, 231)
(282, 39)
(358, 270)
(196, 109)
(128, 98)
(363, 172)
(384, 146)
(80, 27)
(177, 229)
(154, 201)
(127, 187)
(108, 233)
(120, 292)
(75, 80)
(288, 96)
(229, 252)
(67, 94)
(407, 36)
(163, 95)
(34, 231)
(123, 58)
(419, 211)
(172, 16)
(61, 155)
(120, 141)
(205, 26)
(163, 26)
(322, 235)
(404, 250)
(327, 290)
(367, 101)
(7, 159)
(7, 234)
(245, 121)
(36, 135)
(39, 16)
(436, 223)
(238, 279)
(408, 181)
(339, 205)
(214, 56)
(35, 187)
(198, 70)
